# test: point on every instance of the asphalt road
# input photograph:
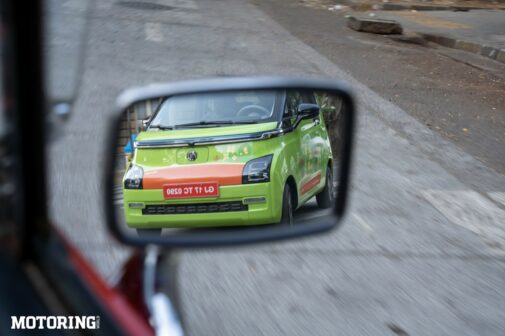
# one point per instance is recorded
(421, 251)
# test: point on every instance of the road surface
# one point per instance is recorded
(421, 251)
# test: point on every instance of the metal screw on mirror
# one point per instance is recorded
(62, 111)
(59, 114)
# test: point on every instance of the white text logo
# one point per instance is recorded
(55, 322)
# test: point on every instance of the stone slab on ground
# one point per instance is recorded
(376, 26)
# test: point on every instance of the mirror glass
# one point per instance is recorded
(229, 159)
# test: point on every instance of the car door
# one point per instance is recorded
(307, 134)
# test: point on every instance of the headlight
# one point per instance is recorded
(133, 178)
(257, 170)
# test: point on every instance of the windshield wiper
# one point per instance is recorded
(161, 127)
(217, 122)
(204, 123)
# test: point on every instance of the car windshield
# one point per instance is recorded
(215, 109)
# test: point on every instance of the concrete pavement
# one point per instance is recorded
(403, 259)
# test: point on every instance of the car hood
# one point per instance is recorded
(198, 154)
(204, 132)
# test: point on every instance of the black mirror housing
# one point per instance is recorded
(123, 209)
(308, 111)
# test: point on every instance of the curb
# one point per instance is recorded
(394, 7)
(472, 47)
(400, 7)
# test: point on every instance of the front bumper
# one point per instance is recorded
(266, 212)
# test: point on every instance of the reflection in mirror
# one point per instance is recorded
(236, 159)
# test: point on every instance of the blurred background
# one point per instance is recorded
(422, 248)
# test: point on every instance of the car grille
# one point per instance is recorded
(175, 209)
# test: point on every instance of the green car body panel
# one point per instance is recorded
(300, 156)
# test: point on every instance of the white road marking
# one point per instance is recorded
(118, 195)
(470, 210)
(153, 31)
(497, 196)
(186, 4)
(362, 222)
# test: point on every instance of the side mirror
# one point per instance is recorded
(145, 123)
(308, 111)
(215, 167)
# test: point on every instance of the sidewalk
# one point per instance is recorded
(425, 5)
(477, 31)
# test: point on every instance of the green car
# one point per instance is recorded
(228, 159)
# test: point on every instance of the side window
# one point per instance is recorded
(295, 98)
(292, 102)
(307, 97)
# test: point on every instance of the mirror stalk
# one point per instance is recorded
(163, 314)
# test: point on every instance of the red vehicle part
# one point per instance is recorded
(132, 319)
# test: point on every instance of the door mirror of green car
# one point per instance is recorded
(216, 165)
(308, 110)
(145, 123)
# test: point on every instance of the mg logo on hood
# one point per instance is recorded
(191, 156)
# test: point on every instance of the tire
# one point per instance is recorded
(149, 232)
(325, 197)
(287, 206)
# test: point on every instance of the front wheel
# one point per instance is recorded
(149, 232)
(325, 197)
(287, 206)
